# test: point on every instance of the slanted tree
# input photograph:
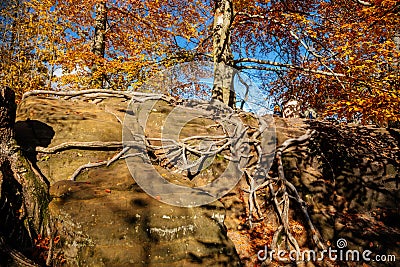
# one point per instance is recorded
(23, 194)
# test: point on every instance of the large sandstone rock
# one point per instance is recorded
(348, 176)
(104, 218)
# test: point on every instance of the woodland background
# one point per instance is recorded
(341, 57)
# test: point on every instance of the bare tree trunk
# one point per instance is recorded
(24, 196)
(99, 44)
(7, 119)
(396, 40)
(396, 66)
(223, 72)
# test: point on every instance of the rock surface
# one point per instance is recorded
(104, 218)
(348, 176)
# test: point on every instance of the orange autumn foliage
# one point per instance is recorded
(341, 57)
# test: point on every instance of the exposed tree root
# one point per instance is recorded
(176, 153)
(81, 145)
(281, 191)
(99, 94)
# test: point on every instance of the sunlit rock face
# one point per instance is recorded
(347, 175)
(104, 218)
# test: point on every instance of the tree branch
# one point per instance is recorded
(319, 57)
(283, 65)
(364, 3)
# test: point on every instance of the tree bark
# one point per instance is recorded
(23, 195)
(7, 118)
(99, 44)
(396, 40)
(223, 59)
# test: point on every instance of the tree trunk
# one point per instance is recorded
(396, 40)
(223, 72)
(99, 44)
(23, 195)
(7, 119)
